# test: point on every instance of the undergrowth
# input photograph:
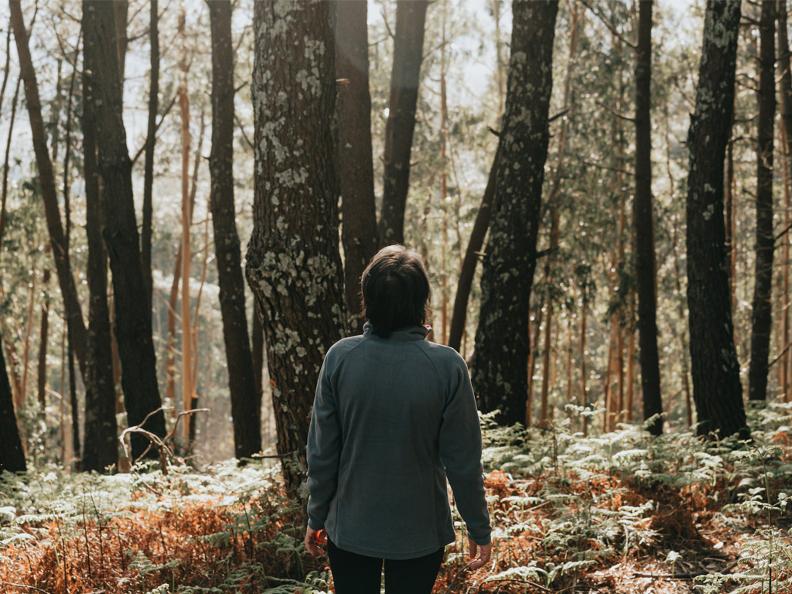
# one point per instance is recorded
(615, 512)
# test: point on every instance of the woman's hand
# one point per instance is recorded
(484, 552)
(313, 540)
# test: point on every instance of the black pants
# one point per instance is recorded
(358, 574)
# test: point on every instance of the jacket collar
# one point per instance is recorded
(407, 333)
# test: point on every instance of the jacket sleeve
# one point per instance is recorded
(323, 449)
(460, 453)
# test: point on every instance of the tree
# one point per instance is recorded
(405, 79)
(101, 428)
(762, 313)
(355, 164)
(643, 221)
(502, 342)
(12, 456)
(241, 380)
(714, 367)
(133, 327)
(151, 140)
(293, 264)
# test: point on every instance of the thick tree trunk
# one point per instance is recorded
(714, 367)
(643, 220)
(101, 428)
(355, 161)
(293, 264)
(402, 104)
(502, 345)
(762, 313)
(46, 174)
(146, 229)
(119, 227)
(245, 411)
(12, 456)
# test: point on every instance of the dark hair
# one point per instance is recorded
(395, 290)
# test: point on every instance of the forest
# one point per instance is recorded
(191, 189)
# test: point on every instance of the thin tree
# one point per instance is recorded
(400, 126)
(762, 313)
(502, 344)
(151, 139)
(293, 264)
(132, 313)
(714, 367)
(355, 161)
(245, 409)
(643, 221)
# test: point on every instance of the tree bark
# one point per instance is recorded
(12, 456)
(762, 313)
(402, 105)
(151, 139)
(643, 220)
(41, 387)
(355, 161)
(293, 264)
(502, 344)
(245, 412)
(119, 228)
(714, 367)
(101, 428)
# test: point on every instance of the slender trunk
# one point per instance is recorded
(293, 265)
(502, 342)
(31, 305)
(583, 401)
(119, 228)
(151, 139)
(534, 339)
(355, 160)
(43, 342)
(245, 409)
(402, 105)
(714, 367)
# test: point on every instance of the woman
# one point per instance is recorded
(393, 417)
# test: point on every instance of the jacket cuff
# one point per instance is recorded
(315, 523)
(481, 540)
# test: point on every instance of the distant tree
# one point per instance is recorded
(12, 456)
(101, 428)
(502, 343)
(132, 312)
(400, 126)
(355, 162)
(643, 221)
(762, 313)
(293, 264)
(245, 409)
(714, 367)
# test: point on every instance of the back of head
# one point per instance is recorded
(395, 289)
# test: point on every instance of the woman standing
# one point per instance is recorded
(394, 416)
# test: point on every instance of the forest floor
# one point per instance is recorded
(618, 512)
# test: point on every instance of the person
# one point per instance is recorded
(394, 416)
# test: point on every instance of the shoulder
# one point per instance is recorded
(336, 353)
(444, 357)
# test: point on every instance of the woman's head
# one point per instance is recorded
(395, 289)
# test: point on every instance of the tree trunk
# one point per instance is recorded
(119, 228)
(355, 161)
(402, 105)
(241, 379)
(46, 175)
(151, 139)
(12, 456)
(43, 341)
(762, 313)
(293, 264)
(101, 428)
(643, 218)
(502, 344)
(714, 367)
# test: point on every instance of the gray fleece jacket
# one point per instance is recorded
(392, 419)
